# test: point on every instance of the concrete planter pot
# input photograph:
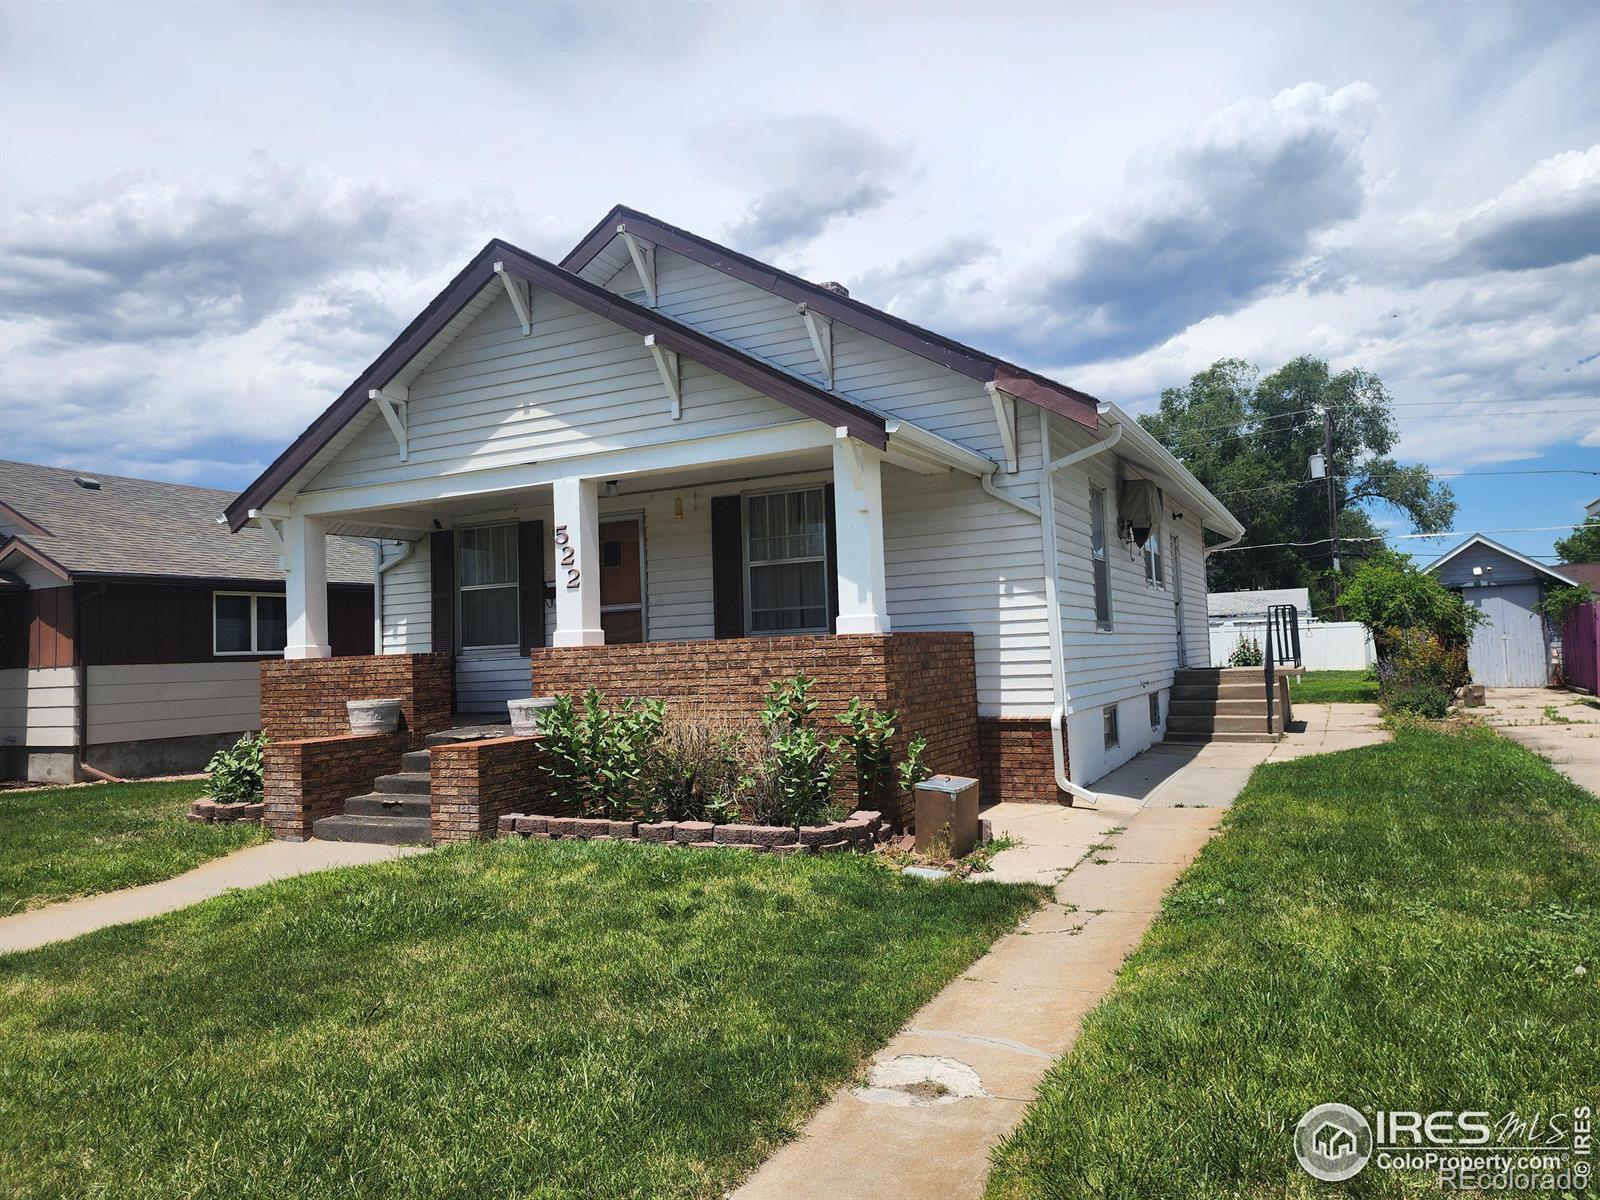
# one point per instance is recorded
(373, 716)
(527, 715)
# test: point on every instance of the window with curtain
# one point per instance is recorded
(1154, 573)
(786, 556)
(1097, 551)
(487, 576)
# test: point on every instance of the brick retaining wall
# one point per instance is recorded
(307, 778)
(929, 678)
(1017, 762)
(476, 783)
(304, 697)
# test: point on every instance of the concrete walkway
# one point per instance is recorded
(958, 1077)
(1568, 734)
(247, 868)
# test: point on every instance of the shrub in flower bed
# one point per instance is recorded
(628, 763)
(234, 777)
(861, 830)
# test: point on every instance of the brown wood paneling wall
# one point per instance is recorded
(50, 627)
(141, 623)
(15, 617)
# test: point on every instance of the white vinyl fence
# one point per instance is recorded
(1324, 645)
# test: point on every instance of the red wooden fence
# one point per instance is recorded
(1580, 647)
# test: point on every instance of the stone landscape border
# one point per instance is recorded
(861, 830)
(208, 811)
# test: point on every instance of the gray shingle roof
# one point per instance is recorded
(1254, 604)
(142, 527)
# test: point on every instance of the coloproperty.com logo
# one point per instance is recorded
(1482, 1151)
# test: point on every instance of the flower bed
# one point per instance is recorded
(861, 830)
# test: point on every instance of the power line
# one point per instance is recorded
(1275, 487)
(1396, 537)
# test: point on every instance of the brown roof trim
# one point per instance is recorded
(17, 545)
(725, 360)
(18, 518)
(1019, 381)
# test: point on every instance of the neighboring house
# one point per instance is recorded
(131, 624)
(1233, 606)
(663, 439)
(1588, 573)
(1515, 646)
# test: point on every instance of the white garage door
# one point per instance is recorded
(1508, 649)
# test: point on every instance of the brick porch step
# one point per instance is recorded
(386, 831)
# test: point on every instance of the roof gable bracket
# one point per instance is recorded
(521, 293)
(274, 531)
(643, 254)
(1005, 416)
(393, 402)
(671, 375)
(821, 330)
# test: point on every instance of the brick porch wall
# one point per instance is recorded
(929, 678)
(1017, 762)
(476, 783)
(307, 778)
(304, 697)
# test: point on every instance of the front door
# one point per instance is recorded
(1177, 601)
(622, 580)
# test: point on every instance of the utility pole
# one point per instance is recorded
(1333, 506)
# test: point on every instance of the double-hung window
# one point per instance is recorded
(1154, 572)
(786, 561)
(488, 575)
(248, 623)
(1097, 550)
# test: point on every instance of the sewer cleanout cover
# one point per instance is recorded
(919, 1080)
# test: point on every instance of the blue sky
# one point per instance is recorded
(212, 217)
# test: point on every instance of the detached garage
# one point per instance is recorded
(1513, 647)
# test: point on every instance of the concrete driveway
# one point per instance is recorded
(1563, 726)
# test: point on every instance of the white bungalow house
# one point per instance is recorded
(663, 440)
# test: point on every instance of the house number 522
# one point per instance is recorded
(567, 553)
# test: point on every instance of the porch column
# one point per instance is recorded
(577, 542)
(858, 505)
(305, 555)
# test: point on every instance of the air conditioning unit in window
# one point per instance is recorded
(1138, 509)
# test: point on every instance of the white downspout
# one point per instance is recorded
(380, 569)
(1052, 586)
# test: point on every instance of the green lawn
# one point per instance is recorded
(502, 1019)
(57, 843)
(1333, 687)
(1392, 927)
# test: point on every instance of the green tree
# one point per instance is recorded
(1249, 438)
(1582, 545)
(1388, 595)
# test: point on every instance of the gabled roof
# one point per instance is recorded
(1478, 539)
(726, 360)
(1582, 573)
(142, 528)
(986, 368)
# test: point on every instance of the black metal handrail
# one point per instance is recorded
(1280, 647)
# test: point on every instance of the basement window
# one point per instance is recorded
(1155, 710)
(248, 623)
(1109, 717)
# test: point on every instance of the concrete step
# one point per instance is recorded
(387, 804)
(416, 760)
(1243, 707)
(1220, 724)
(1200, 739)
(466, 733)
(1226, 691)
(385, 831)
(407, 783)
(1217, 674)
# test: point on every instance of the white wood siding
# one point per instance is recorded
(408, 605)
(39, 707)
(169, 700)
(1195, 619)
(866, 370)
(576, 385)
(485, 681)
